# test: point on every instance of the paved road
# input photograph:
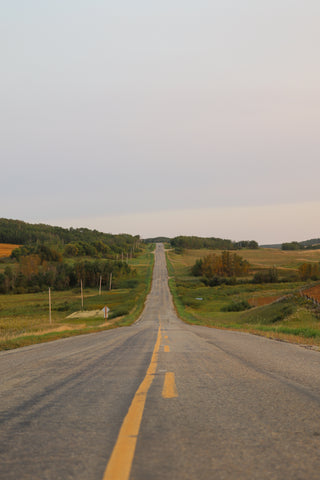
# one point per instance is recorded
(160, 400)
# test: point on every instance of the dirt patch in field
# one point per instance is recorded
(313, 292)
(86, 314)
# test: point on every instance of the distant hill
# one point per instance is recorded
(312, 244)
(23, 233)
(193, 242)
(274, 245)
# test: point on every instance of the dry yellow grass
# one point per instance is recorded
(6, 249)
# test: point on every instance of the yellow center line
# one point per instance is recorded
(166, 337)
(169, 387)
(166, 348)
(119, 465)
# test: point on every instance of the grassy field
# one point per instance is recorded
(24, 319)
(277, 310)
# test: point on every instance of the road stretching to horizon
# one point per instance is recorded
(160, 400)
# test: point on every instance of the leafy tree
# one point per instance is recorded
(309, 271)
(29, 265)
(71, 250)
(291, 246)
(225, 265)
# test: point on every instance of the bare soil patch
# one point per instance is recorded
(86, 314)
(313, 292)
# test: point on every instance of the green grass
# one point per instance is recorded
(290, 318)
(269, 314)
(24, 319)
(304, 332)
(145, 267)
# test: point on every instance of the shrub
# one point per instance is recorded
(120, 312)
(225, 265)
(266, 276)
(309, 271)
(239, 306)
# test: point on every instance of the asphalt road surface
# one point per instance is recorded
(160, 400)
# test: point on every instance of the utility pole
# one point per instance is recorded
(100, 285)
(81, 296)
(50, 305)
(110, 283)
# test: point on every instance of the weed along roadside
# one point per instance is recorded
(272, 307)
(24, 318)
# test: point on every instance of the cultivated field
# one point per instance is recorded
(6, 249)
(277, 309)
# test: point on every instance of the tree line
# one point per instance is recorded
(34, 275)
(213, 243)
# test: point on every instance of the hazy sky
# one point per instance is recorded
(162, 118)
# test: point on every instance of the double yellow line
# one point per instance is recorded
(119, 465)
